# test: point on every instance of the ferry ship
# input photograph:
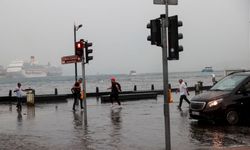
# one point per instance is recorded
(31, 69)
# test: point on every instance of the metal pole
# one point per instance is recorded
(165, 78)
(84, 91)
(75, 51)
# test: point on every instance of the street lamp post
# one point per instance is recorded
(76, 29)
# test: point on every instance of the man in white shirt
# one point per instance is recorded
(19, 95)
(183, 92)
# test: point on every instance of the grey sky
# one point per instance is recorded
(216, 33)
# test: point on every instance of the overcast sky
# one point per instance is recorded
(216, 33)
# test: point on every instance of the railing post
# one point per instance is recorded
(56, 92)
(152, 87)
(10, 93)
(135, 88)
(200, 84)
(10, 99)
(97, 91)
(196, 89)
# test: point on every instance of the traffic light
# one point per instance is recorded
(173, 38)
(88, 51)
(155, 32)
(79, 48)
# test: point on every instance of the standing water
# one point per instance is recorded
(138, 125)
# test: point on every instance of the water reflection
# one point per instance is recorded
(183, 113)
(116, 127)
(216, 136)
(98, 99)
(116, 116)
(19, 118)
(30, 112)
(81, 133)
(78, 119)
(10, 107)
(217, 139)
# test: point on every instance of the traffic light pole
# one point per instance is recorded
(84, 91)
(75, 51)
(164, 38)
(76, 29)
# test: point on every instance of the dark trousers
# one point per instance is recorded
(19, 103)
(76, 97)
(181, 99)
(116, 97)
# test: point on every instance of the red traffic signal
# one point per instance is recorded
(79, 46)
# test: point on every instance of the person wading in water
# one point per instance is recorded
(115, 89)
(76, 91)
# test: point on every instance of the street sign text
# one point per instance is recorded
(70, 59)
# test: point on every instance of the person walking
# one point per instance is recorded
(115, 89)
(213, 79)
(18, 90)
(76, 91)
(183, 92)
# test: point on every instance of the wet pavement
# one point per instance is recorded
(139, 125)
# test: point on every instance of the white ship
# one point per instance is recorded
(30, 69)
(207, 69)
(15, 69)
(53, 70)
(132, 73)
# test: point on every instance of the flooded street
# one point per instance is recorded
(139, 125)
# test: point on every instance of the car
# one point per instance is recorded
(228, 100)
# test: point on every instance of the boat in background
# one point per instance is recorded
(207, 69)
(54, 71)
(31, 69)
(14, 69)
(132, 73)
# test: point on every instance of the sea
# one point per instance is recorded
(144, 81)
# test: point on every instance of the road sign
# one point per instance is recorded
(163, 2)
(70, 59)
(160, 2)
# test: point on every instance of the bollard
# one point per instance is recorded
(97, 98)
(196, 89)
(30, 112)
(97, 91)
(56, 93)
(10, 93)
(33, 91)
(135, 88)
(200, 84)
(30, 98)
(152, 87)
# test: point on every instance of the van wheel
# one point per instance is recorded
(232, 117)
